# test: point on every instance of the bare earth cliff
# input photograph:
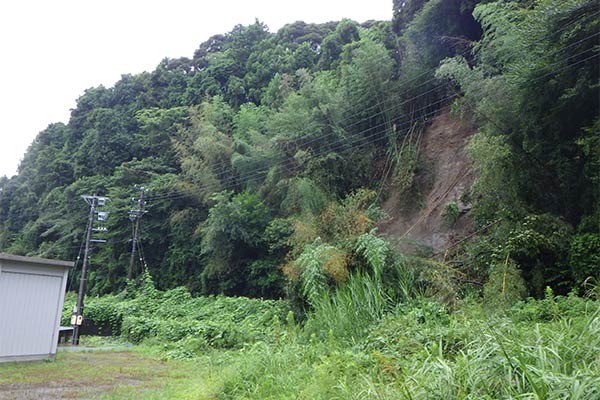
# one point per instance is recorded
(447, 176)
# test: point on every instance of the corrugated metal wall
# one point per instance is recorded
(31, 299)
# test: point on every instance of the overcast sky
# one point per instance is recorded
(53, 50)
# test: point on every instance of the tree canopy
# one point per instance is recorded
(264, 152)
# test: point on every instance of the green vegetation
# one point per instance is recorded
(174, 318)
(267, 158)
(533, 88)
(250, 148)
(357, 344)
(451, 213)
(547, 349)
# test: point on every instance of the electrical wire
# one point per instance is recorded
(74, 267)
(224, 165)
(142, 257)
(554, 33)
(234, 181)
(218, 172)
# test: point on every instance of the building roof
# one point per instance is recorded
(35, 260)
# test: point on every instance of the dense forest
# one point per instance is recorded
(265, 157)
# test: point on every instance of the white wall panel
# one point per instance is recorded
(31, 297)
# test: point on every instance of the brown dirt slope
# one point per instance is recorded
(447, 175)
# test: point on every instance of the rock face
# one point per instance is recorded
(447, 176)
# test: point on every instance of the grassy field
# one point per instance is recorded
(548, 349)
(352, 346)
(83, 375)
(128, 373)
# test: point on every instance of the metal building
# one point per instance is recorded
(32, 292)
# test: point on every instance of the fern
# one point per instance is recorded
(314, 281)
(375, 251)
(318, 263)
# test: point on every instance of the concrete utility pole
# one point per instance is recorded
(135, 216)
(93, 202)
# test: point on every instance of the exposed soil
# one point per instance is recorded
(447, 175)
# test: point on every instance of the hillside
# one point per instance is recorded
(446, 178)
(283, 164)
(404, 209)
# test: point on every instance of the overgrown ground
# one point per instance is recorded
(539, 349)
(134, 373)
(76, 375)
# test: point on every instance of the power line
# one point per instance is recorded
(551, 34)
(221, 171)
(223, 165)
(227, 183)
(232, 181)
(180, 194)
(74, 267)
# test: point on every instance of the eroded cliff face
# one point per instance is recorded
(418, 224)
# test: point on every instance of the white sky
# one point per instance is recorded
(51, 51)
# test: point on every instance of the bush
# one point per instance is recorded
(584, 257)
(552, 308)
(451, 213)
(182, 322)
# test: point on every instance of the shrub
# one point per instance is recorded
(584, 256)
(451, 213)
(505, 286)
(183, 322)
(553, 307)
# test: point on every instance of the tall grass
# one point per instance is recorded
(422, 352)
(492, 357)
(347, 312)
(359, 343)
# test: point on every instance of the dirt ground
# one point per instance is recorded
(79, 375)
(448, 174)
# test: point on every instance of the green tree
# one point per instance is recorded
(232, 239)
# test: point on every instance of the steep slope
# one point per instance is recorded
(448, 174)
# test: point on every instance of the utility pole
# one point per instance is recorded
(135, 216)
(93, 202)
